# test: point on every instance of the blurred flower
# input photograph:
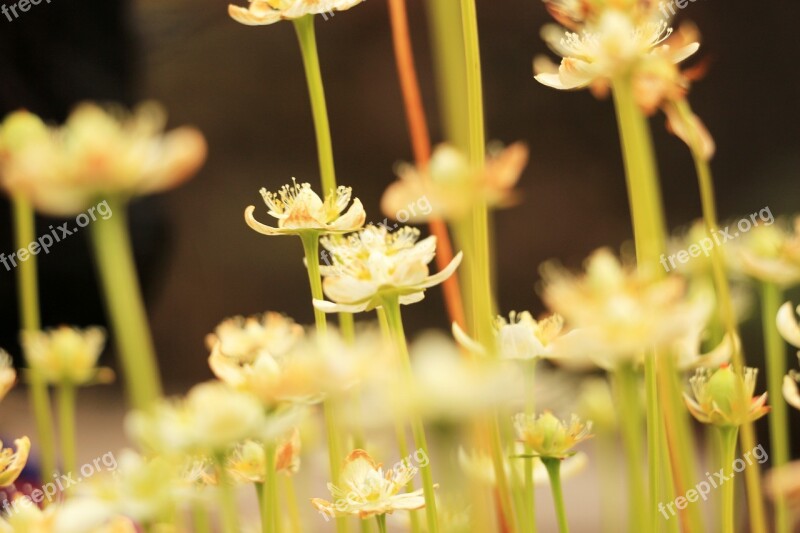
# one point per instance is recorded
(102, 152)
(790, 331)
(784, 483)
(67, 355)
(724, 398)
(452, 186)
(365, 490)
(80, 515)
(264, 12)
(247, 463)
(479, 466)
(12, 462)
(373, 263)
(770, 253)
(17, 131)
(211, 419)
(8, 376)
(549, 437)
(620, 312)
(573, 14)
(596, 403)
(299, 210)
(246, 338)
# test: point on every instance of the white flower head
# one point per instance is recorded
(265, 12)
(367, 266)
(66, 354)
(300, 210)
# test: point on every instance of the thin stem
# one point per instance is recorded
(421, 144)
(66, 425)
(227, 498)
(530, 409)
(402, 447)
(654, 451)
(263, 511)
(771, 300)
(114, 257)
(311, 250)
(201, 522)
(728, 440)
(381, 518)
(271, 502)
(627, 390)
(306, 36)
(28, 298)
(391, 306)
(291, 503)
(553, 466)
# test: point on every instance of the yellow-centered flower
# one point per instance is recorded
(365, 490)
(299, 210)
(549, 437)
(264, 12)
(248, 462)
(724, 398)
(99, 153)
(368, 266)
(67, 355)
(770, 252)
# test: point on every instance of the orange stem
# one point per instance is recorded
(421, 145)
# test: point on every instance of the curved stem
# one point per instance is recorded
(306, 36)
(553, 471)
(66, 424)
(115, 262)
(728, 441)
(391, 306)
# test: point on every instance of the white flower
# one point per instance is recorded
(246, 338)
(365, 490)
(66, 354)
(771, 253)
(300, 210)
(478, 465)
(8, 376)
(373, 264)
(264, 12)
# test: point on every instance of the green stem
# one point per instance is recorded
(269, 493)
(263, 507)
(402, 447)
(655, 451)
(66, 424)
(553, 466)
(227, 498)
(771, 300)
(627, 389)
(530, 409)
(28, 296)
(306, 36)
(128, 317)
(311, 250)
(391, 306)
(291, 504)
(381, 518)
(200, 520)
(728, 440)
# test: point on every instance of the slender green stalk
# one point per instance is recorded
(771, 300)
(530, 409)
(381, 518)
(311, 250)
(705, 178)
(263, 508)
(306, 36)
(66, 426)
(627, 390)
(270, 500)
(227, 498)
(391, 306)
(553, 466)
(201, 523)
(728, 439)
(655, 450)
(402, 447)
(114, 257)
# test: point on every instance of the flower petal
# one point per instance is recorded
(787, 324)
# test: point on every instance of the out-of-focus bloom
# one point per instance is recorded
(549, 437)
(211, 419)
(67, 355)
(8, 376)
(479, 466)
(452, 186)
(299, 210)
(102, 152)
(79, 515)
(620, 312)
(790, 331)
(304, 371)
(519, 337)
(17, 131)
(573, 14)
(245, 339)
(770, 252)
(724, 398)
(366, 490)
(784, 483)
(12, 462)
(265, 12)
(247, 463)
(791, 391)
(688, 354)
(373, 264)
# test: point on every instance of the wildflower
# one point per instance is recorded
(452, 186)
(245, 339)
(81, 515)
(300, 210)
(365, 490)
(18, 130)
(102, 152)
(478, 465)
(374, 264)
(619, 312)
(724, 398)
(8, 376)
(549, 437)
(265, 12)
(770, 253)
(790, 331)
(66, 354)
(12, 462)
(248, 464)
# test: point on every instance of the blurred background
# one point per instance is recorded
(245, 89)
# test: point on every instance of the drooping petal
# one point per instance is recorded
(791, 391)
(258, 226)
(787, 324)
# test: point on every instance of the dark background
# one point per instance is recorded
(244, 88)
